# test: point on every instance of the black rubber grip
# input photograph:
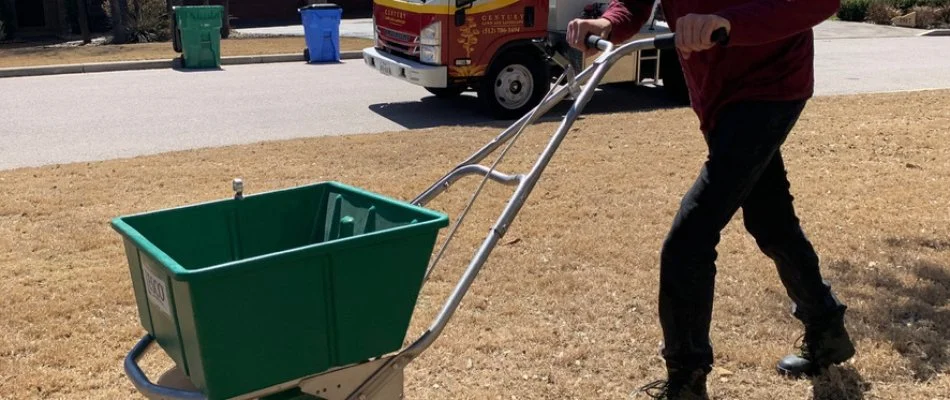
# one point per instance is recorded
(668, 40)
(665, 41)
(720, 36)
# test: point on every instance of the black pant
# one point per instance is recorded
(744, 169)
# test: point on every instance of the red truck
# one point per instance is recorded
(507, 51)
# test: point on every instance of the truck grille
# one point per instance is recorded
(399, 42)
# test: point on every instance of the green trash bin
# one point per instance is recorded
(200, 35)
(247, 293)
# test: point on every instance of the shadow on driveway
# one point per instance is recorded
(465, 110)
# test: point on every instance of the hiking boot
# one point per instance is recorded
(822, 346)
(681, 385)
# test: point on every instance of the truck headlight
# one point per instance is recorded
(375, 33)
(430, 54)
(432, 34)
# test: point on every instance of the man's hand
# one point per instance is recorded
(578, 29)
(694, 32)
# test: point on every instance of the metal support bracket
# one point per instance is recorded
(343, 383)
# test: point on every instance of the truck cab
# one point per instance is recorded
(507, 51)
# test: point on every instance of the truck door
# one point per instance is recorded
(480, 28)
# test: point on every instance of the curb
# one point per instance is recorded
(936, 32)
(154, 64)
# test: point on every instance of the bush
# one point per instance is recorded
(943, 15)
(880, 12)
(926, 16)
(906, 6)
(853, 10)
(903, 6)
(151, 24)
(140, 21)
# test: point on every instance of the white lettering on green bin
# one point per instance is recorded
(156, 289)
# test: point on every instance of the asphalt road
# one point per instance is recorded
(69, 118)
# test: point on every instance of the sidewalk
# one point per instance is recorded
(361, 28)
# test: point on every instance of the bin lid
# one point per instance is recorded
(319, 6)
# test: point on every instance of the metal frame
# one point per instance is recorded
(379, 379)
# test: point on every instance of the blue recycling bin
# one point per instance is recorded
(321, 27)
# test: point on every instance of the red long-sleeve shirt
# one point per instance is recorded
(770, 55)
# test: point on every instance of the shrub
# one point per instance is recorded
(141, 21)
(926, 16)
(880, 12)
(906, 6)
(903, 6)
(151, 23)
(943, 15)
(853, 10)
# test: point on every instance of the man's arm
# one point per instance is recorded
(627, 17)
(763, 21)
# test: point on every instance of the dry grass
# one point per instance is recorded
(565, 307)
(48, 55)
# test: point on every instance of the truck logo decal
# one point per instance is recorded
(468, 36)
(395, 14)
(468, 70)
(502, 19)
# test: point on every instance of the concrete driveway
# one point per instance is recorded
(852, 30)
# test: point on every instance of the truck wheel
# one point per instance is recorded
(446, 92)
(674, 83)
(515, 83)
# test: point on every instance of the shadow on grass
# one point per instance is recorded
(32, 44)
(466, 110)
(907, 307)
(839, 383)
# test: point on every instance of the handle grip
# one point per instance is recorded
(668, 40)
(596, 42)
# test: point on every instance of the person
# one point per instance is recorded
(748, 93)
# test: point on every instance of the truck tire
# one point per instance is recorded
(515, 83)
(674, 83)
(446, 92)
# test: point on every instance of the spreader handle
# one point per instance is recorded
(596, 42)
(146, 387)
(667, 41)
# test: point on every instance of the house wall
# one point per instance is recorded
(54, 21)
(8, 14)
(286, 10)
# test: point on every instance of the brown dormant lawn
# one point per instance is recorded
(566, 306)
(48, 55)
